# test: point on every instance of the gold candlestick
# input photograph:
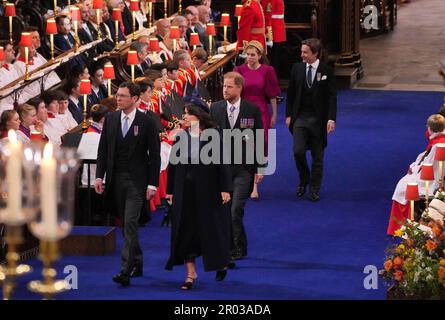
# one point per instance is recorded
(9, 274)
(55, 8)
(85, 123)
(150, 14)
(133, 37)
(49, 253)
(225, 35)
(174, 45)
(76, 37)
(210, 49)
(440, 176)
(426, 195)
(165, 9)
(10, 31)
(109, 87)
(116, 23)
(132, 73)
(180, 7)
(51, 40)
(412, 210)
(99, 33)
(26, 63)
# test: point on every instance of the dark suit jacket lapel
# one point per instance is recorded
(241, 114)
(115, 125)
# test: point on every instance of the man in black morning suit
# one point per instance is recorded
(129, 155)
(236, 113)
(310, 114)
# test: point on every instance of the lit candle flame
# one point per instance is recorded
(48, 151)
(12, 136)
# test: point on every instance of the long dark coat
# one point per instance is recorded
(214, 218)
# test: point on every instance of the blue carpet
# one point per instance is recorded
(298, 249)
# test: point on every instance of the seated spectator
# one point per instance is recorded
(98, 113)
(111, 25)
(8, 72)
(199, 58)
(142, 51)
(162, 28)
(214, 16)
(181, 23)
(28, 121)
(65, 115)
(98, 89)
(52, 125)
(172, 76)
(75, 101)
(400, 207)
(9, 120)
(80, 72)
(146, 87)
(63, 40)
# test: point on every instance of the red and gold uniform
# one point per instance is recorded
(274, 16)
(252, 24)
(157, 99)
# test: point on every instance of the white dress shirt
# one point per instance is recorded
(314, 69)
(235, 114)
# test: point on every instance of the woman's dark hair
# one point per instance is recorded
(77, 70)
(205, 121)
(98, 111)
(5, 117)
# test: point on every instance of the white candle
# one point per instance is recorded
(49, 192)
(14, 180)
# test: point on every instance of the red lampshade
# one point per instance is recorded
(51, 27)
(25, 40)
(194, 39)
(85, 86)
(174, 32)
(427, 172)
(109, 71)
(154, 45)
(210, 29)
(238, 10)
(75, 14)
(440, 152)
(98, 4)
(412, 192)
(117, 14)
(2, 53)
(10, 10)
(225, 19)
(134, 5)
(132, 57)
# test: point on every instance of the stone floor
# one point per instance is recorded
(407, 58)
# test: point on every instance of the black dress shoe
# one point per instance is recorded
(220, 275)
(136, 272)
(231, 265)
(315, 197)
(122, 278)
(301, 190)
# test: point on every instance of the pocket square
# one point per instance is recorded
(324, 77)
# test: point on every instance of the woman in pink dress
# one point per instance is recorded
(260, 86)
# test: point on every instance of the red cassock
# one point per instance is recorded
(252, 24)
(277, 20)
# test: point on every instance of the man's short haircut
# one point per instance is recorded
(134, 89)
(314, 44)
(171, 65)
(180, 55)
(436, 123)
(237, 78)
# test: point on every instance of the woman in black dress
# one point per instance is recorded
(200, 193)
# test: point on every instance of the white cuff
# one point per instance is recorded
(152, 188)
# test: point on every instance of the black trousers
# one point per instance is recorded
(308, 135)
(129, 201)
(242, 187)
